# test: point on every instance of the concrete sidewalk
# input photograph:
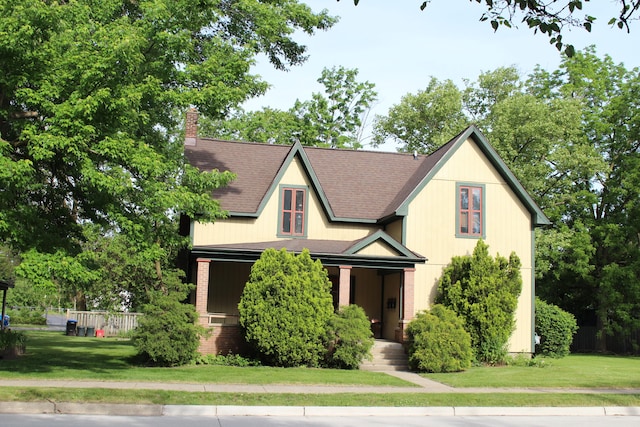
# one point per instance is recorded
(417, 384)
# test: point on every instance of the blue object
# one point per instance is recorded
(5, 321)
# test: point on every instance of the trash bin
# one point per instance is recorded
(71, 327)
(6, 321)
(91, 331)
(82, 331)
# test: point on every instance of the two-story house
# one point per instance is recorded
(383, 224)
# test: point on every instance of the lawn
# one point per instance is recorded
(574, 371)
(52, 355)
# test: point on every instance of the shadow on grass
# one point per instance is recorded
(53, 351)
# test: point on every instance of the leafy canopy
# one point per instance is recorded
(91, 101)
(551, 17)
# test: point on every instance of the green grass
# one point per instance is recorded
(574, 371)
(52, 355)
(165, 397)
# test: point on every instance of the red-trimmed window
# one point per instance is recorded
(292, 219)
(470, 211)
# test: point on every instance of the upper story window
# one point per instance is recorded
(292, 213)
(470, 207)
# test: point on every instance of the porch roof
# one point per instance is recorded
(329, 252)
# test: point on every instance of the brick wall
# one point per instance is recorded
(224, 339)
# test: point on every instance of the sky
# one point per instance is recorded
(399, 48)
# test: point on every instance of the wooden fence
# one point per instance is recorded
(112, 323)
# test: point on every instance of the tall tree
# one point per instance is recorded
(608, 215)
(334, 118)
(424, 121)
(90, 95)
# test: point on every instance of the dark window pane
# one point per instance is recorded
(286, 222)
(299, 200)
(287, 200)
(298, 223)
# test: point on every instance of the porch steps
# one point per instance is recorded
(387, 356)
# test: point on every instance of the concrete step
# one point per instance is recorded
(387, 356)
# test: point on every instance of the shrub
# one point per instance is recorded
(167, 334)
(12, 340)
(555, 327)
(225, 360)
(438, 341)
(484, 292)
(285, 308)
(25, 316)
(349, 338)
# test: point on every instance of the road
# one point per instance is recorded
(48, 420)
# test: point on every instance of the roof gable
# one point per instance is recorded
(444, 153)
(353, 186)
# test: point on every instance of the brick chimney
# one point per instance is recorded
(191, 127)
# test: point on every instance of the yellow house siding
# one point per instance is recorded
(378, 249)
(432, 224)
(265, 228)
(395, 230)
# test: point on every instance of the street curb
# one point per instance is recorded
(305, 411)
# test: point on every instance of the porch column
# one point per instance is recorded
(408, 294)
(202, 286)
(344, 285)
(407, 307)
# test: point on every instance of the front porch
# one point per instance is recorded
(382, 286)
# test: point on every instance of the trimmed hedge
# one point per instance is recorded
(349, 338)
(285, 308)
(555, 327)
(438, 341)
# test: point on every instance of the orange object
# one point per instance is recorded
(100, 333)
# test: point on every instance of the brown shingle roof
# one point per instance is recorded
(358, 185)
(255, 165)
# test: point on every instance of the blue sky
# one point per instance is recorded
(399, 48)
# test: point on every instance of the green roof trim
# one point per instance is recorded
(538, 217)
(381, 236)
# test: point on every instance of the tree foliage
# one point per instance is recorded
(285, 308)
(91, 102)
(335, 118)
(483, 291)
(438, 341)
(551, 17)
(424, 121)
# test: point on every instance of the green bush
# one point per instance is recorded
(25, 316)
(225, 360)
(484, 292)
(285, 308)
(349, 338)
(167, 334)
(12, 339)
(555, 327)
(438, 341)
